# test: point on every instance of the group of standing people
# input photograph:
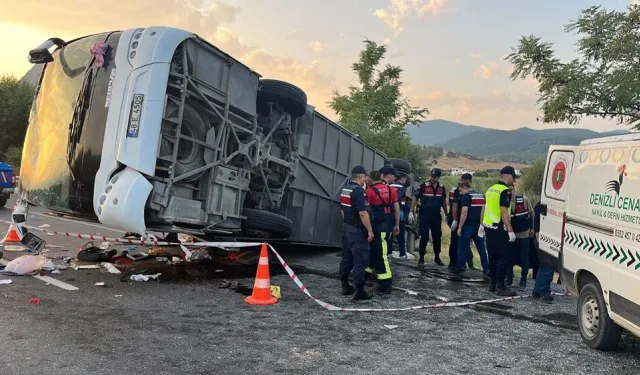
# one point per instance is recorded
(376, 212)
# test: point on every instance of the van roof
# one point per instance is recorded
(612, 139)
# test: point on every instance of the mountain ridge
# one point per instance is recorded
(522, 145)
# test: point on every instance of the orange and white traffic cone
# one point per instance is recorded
(12, 235)
(262, 287)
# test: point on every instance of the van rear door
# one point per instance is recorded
(555, 188)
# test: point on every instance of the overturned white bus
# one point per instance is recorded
(155, 129)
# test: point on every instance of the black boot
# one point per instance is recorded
(361, 294)
(347, 289)
(503, 291)
(438, 261)
(492, 288)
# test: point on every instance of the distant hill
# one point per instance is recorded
(437, 132)
(522, 145)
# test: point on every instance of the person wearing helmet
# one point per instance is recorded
(433, 198)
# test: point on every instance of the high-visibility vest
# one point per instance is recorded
(492, 215)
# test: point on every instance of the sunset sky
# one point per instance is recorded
(451, 50)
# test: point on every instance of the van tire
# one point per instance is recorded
(277, 226)
(598, 331)
(292, 99)
(3, 202)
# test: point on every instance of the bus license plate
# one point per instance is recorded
(134, 117)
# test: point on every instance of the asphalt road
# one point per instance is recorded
(192, 326)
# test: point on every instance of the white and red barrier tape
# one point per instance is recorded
(129, 241)
(331, 307)
(292, 274)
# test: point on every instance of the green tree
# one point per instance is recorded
(531, 182)
(15, 103)
(13, 157)
(376, 110)
(601, 82)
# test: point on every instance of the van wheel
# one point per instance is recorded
(3, 202)
(290, 97)
(276, 226)
(598, 331)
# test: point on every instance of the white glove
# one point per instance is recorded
(454, 225)
(512, 237)
(411, 218)
(481, 232)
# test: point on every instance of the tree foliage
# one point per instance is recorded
(604, 81)
(376, 110)
(530, 183)
(15, 103)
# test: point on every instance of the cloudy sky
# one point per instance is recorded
(451, 50)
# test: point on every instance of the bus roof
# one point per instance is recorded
(612, 139)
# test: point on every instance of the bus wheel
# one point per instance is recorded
(277, 226)
(598, 331)
(290, 97)
(190, 155)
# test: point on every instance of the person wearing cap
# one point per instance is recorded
(522, 222)
(498, 230)
(357, 233)
(453, 220)
(470, 228)
(401, 193)
(385, 211)
(433, 198)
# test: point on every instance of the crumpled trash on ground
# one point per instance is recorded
(34, 300)
(275, 291)
(110, 268)
(105, 245)
(144, 277)
(26, 264)
(5, 281)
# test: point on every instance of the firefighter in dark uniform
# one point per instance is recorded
(356, 234)
(498, 230)
(401, 193)
(433, 198)
(384, 210)
(453, 221)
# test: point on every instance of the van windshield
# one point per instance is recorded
(45, 172)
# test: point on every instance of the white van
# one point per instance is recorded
(590, 232)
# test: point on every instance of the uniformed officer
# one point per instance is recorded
(401, 192)
(522, 223)
(432, 196)
(499, 233)
(384, 210)
(453, 220)
(471, 207)
(357, 234)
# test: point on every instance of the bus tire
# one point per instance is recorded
(190, 154)
(292, 99)
(598, 331)
(277, 226)
(401, 165)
